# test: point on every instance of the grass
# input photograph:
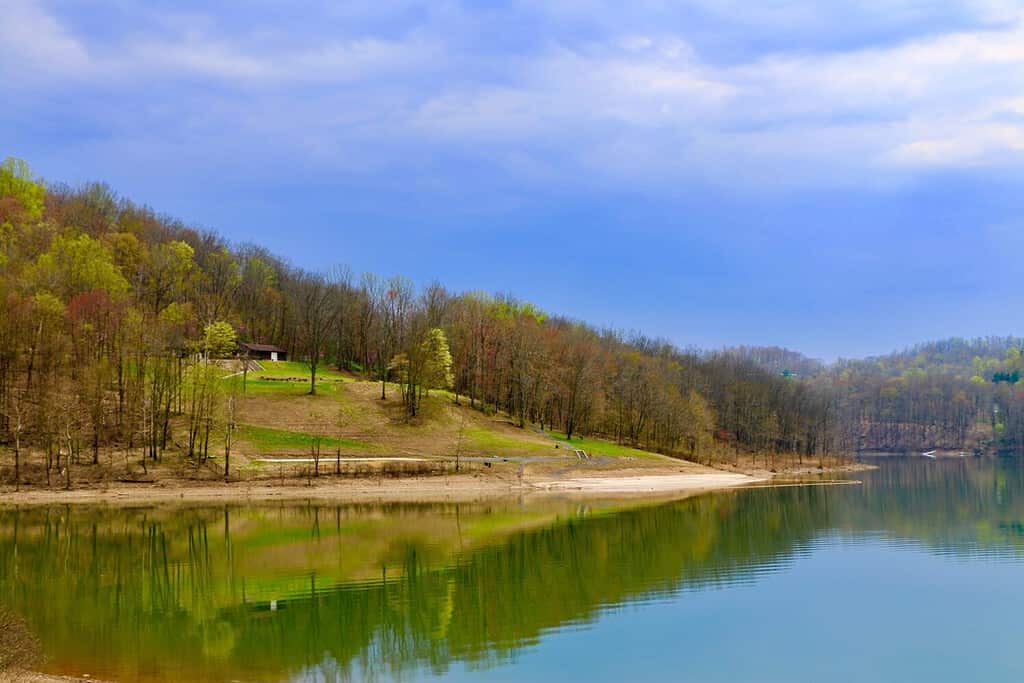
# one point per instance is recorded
(278, 409)
(285, 369)
(603, 447)
(266, 439)
(492, 440)
(291, 378)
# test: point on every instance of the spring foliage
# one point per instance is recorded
(105, 308)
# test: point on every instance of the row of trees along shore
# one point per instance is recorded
(110, 311)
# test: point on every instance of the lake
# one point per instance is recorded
(915, 574)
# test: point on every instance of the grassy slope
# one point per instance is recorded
(266, 439)
(602, 447)
(277, 416)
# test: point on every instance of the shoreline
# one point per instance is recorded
(534, 482)
(458, 488)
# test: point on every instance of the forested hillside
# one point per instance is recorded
(114, 321)
(955, 394)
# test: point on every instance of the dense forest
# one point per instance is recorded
(113, 317)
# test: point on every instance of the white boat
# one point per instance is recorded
(929, 454)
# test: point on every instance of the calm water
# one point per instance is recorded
(916, 575)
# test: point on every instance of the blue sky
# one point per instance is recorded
(842, 178)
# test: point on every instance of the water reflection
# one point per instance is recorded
(960, 506)
(369, 592)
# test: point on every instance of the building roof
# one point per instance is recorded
(266, 348)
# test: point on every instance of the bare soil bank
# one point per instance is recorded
(629, 478)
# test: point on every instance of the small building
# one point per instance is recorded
(262, 351)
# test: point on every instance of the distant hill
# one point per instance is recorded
(956, 357)
(955, 394)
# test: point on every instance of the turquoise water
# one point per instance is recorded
(913, 575)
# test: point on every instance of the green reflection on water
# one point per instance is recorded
(270, 592)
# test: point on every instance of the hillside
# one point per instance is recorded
(983, 357)
(279, 420)
(123, 334)
(959, 395)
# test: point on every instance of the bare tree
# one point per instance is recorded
(318, 309)
(229, 434)
(393, 303)
(15, 414)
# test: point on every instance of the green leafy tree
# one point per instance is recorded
(78, 264)
(219, 339)
(17, 183)
(437, 361)
(168, 272)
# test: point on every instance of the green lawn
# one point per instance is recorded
(266, 439)
(299, 370)
(291, 378)
(492, 440)
(603, 447)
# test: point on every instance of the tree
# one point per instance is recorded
(316, 425)
(14, 410)
(219, 281)
(229, 434)
(167, 272)
(75, 265)
(423, 364)
(318, 311)
(393, 302)
(577, 366)
(258, 293)
(437, 366)
(698, 426)
(17, 184)
(205, 388)
(45, 341)
(219, 340)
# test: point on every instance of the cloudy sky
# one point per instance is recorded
(843, 178)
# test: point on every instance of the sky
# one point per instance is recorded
(840, 178)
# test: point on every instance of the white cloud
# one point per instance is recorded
(36, 45)
(985, 143)
(643, 107)
(333, 62)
